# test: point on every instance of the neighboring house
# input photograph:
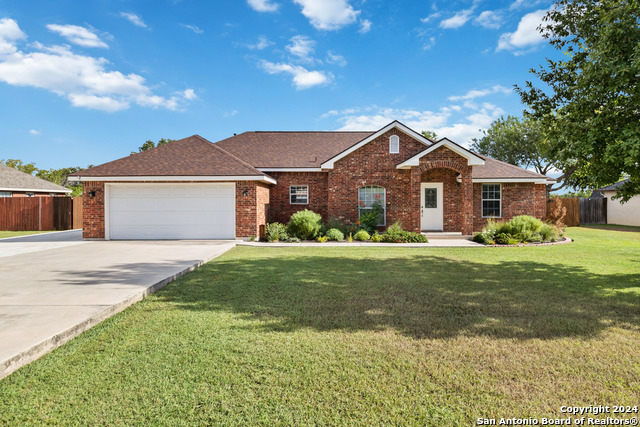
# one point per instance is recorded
(191, 188)
(618, 213)
(14, 183)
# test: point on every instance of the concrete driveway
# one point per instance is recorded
(54, 286)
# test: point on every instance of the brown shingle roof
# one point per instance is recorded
(290, 149)
(192, 156)
(14, 180)
(495, 169)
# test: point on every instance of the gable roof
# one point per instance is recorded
(328, 164)
(495, 169)
(189, 157)
(613, 187)
(472, 158)
(266, 150)
(14, 180)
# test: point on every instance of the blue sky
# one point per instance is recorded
(88, 82)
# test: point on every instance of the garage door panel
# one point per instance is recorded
(180, 211)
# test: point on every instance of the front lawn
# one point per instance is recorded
(368, 336)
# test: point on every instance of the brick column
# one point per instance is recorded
(467, 203)
(415, 200)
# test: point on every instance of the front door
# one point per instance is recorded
(431, 206)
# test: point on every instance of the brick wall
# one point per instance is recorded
(517, 199)
(374, 165)
(93, 210)
(250, 209)
(281, 209)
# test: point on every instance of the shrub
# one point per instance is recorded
(395, 227)
(404, 237)
(520, 229)
(293, 240)
(276, 231)
(322, 239)
(362, 235)
(350, 238)
(334, 222)
(369, 218)
(335, 234)
(305, 225)
(376, 238)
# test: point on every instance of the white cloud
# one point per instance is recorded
(336, 59)
(472, 94)
(34, 132)
(230, 113)
(134, 19)
(77, 35)
(429, 43)
(431, 17)
(521, 4)
(328, 14)
(302, 47)
(365, 26)
(193, 28)
(454, 122)
(189, 94)
(9, 33)
(84, 80)
(263, 5)
(457, 20)
(525, 36)
(302, 78)
(262, 43)
(489, 19)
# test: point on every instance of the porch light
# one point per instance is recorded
(459, 179)
(245, 193)
(92, 194)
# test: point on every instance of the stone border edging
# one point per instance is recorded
(564, 241)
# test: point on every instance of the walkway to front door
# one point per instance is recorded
(431, 211)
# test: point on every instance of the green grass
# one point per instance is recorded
(615, 227)
(4, 234)
(366, 336)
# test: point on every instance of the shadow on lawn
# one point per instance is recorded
(421, 297)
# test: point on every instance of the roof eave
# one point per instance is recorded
(179, 178)
(472, 159)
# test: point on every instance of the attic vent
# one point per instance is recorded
(394, 144)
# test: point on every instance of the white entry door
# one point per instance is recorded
(171, 211)
(431, 206)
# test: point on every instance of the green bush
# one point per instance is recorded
(335, 234)
(403, 237)
(322, 239)
(276, 231)
(362, 235)
(520, 229)
(376, 238)
(395, 227)
(369, 218)
(305, 225)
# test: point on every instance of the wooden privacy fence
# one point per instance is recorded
(581, 210)
(40, 213)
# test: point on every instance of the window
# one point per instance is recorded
(369, 195)
(431, 198)
(299, 194)
(491, 200)
(394, 144)
(6, 194)
(29, 194)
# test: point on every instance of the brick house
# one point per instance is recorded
(15, 183)
(192, 188)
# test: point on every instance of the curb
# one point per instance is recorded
(36, 351)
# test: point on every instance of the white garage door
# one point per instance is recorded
(172, 211)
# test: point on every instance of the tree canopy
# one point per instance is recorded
(57, 176)
(591, 106)
(520, 142)
(29, 168)
(149, 144)
(430, 134)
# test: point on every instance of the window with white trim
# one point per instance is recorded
(394, 144)
(6, 194)
(299, 194)
(491, 200)
(369, 195)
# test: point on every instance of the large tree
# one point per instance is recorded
(18, 164)
(149, 144)
(521, 142)
(591, 105)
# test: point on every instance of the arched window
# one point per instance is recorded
(372, 197)
(394, 144)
